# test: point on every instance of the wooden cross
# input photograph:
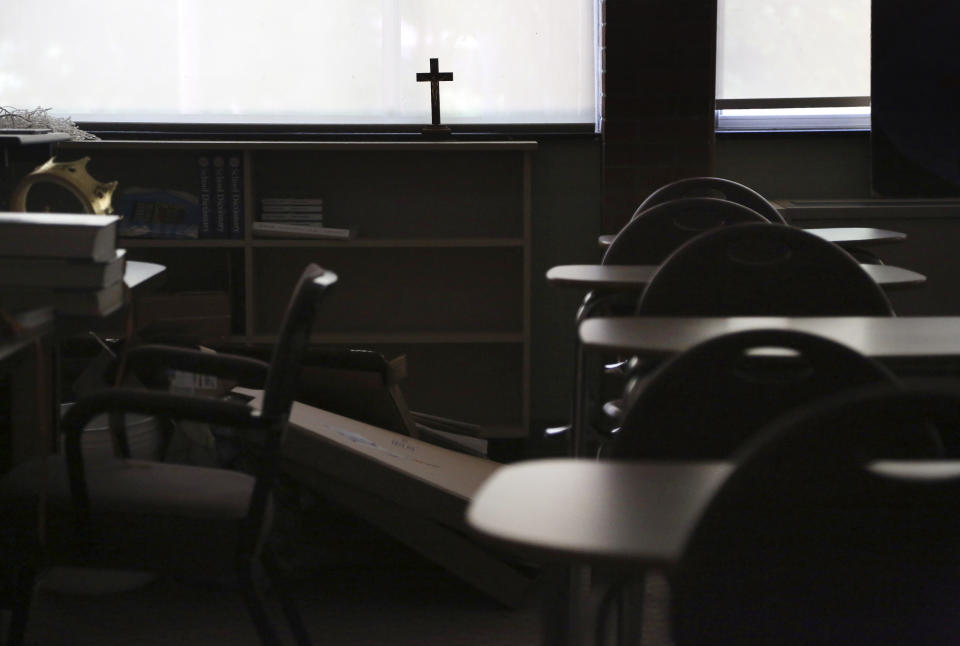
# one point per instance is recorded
(434, 76)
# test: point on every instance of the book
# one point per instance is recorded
(58, 235)
(158, 213)
(268, 208)
(292, 216)
(66, 302)
(205, 196)
(290, 230)
(61, 273)
(235, 195)
(291, 208)
(291, 201)
(219, 222)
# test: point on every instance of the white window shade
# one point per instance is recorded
(295, 61)
(785, 49)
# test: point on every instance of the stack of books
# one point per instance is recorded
(68, 262)
(283, 217)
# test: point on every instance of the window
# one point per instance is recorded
(793, 65)
(293, 61)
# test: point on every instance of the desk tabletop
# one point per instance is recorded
(876, 336)
(140, 275)
(637, 513)
(636, 277)
(843, 236)
(569, 509)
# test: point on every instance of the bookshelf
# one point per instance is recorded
(439, 270)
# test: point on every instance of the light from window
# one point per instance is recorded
(782, 49)
(295, 61)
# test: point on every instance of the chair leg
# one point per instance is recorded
(254, 602)
(23, 594)
(274, 573)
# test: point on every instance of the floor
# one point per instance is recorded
(355, 587)
(377, 594)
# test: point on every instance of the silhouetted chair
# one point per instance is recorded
(667, 225)
(811, 542)
(119, 513)
(649, 241)
(715, 187)
(755, 270)
(708, 401)
(762, 270)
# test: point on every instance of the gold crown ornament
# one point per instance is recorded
(95, 196)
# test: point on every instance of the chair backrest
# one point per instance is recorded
(708, 401)
(292, 341)
(762, 270)
(282, 381)
(717, 187)
(810, 541)
(666, 226)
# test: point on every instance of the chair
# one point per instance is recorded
(811, 542)
(714, 187)
(710, 400)
(754, 270)
(650, 240)
(115, 512)
(667, 225)
(762, 270)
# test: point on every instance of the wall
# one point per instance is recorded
(836, 166)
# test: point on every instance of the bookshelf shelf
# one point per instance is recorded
(158, 243)
(367, 339)
(412, 243)
(439, 270)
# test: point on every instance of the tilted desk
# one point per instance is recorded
(636, 277)
(843, 236)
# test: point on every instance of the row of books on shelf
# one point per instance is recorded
(68, 264)
(215, 211)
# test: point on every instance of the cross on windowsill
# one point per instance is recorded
(434, 76)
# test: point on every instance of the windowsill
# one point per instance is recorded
(366, 132)
(793, 120)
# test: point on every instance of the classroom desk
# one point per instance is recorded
(31, 361)
(627, 513)
(634, 516)
(636, 513)
(892, 339)
(636, 277)
(141, 276)
(842, 236)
